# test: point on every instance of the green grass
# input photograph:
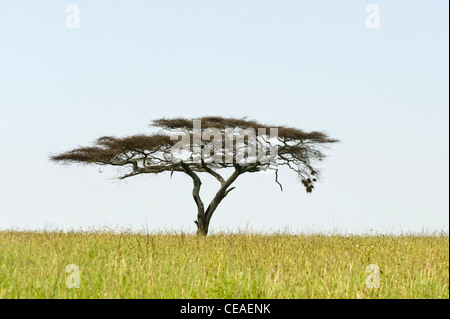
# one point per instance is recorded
(125, 265)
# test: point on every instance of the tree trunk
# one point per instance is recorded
(202, 227)
(204, 217)
(203, 222)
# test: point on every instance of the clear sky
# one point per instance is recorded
(313, 65)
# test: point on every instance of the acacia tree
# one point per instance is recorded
(208, 148)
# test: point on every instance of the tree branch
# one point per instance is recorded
(276, 179)
(221, 193)
(226, 193)
(212, 172)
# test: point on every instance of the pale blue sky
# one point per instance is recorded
(308, 64)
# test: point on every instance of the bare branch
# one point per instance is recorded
(276, 179)
(212, 172)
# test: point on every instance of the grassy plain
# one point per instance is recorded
(127, 265)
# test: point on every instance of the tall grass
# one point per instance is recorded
(126, 265)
